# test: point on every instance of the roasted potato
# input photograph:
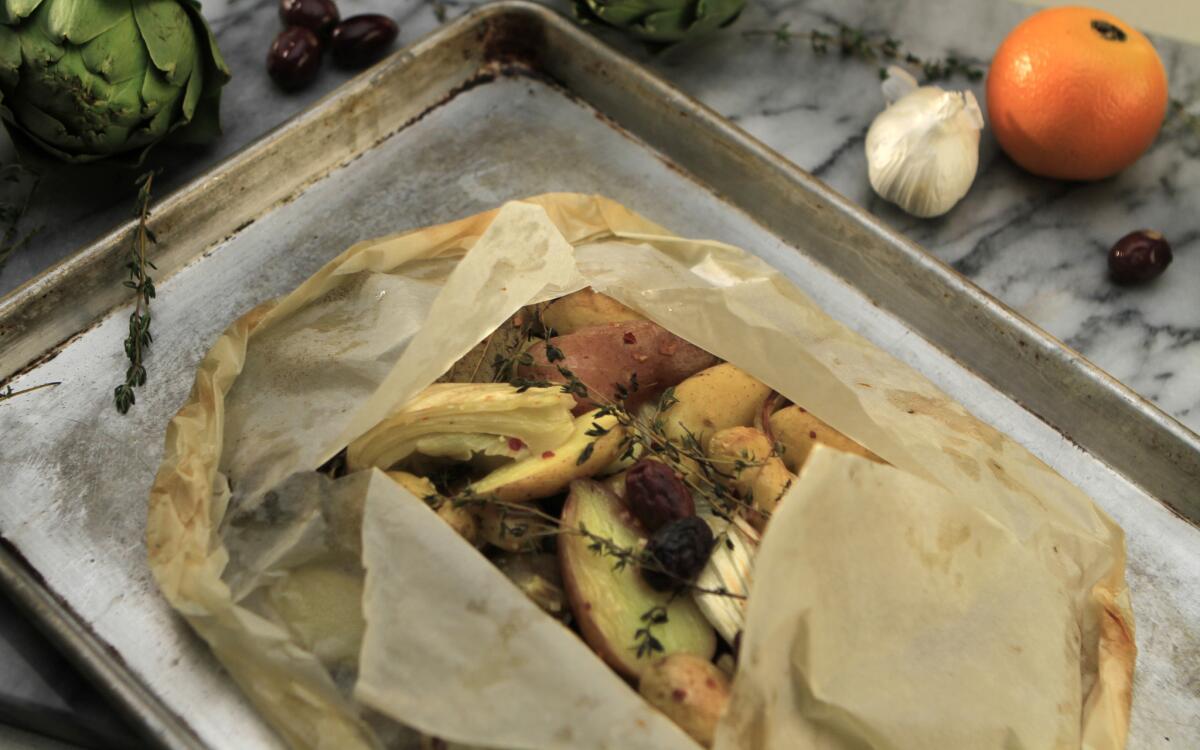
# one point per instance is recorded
(712, 400)
(460, 518)
(690, 691)
(758, 474)
(546, 473)
(584, 309)
(607, 356)
(798, 431)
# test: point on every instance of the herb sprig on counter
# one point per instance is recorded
(852, 42)
(139, 338)
(8, 392)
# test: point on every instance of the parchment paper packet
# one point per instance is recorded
(293, 382)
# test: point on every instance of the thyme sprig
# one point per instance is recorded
(598, 544)
(139, 281)
(853, 42)
(644, 639)
(8, 392)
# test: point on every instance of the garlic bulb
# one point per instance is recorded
(730, 568)
(923, 150)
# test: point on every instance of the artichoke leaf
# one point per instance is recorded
(195, 87)
(10, 57)
(119, 56)
(81, 21)
(539, 417)
(14, 10)
(169, 36)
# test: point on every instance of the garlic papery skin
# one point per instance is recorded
(923, 150)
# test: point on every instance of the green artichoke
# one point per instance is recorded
(665, 21)
(87, 79)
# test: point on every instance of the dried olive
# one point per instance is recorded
(1139, 257)
(319, 15)
(295, 58)
(361, 40)
(656, 496)
(677, 553)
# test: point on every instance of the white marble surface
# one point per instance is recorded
(1038, 245)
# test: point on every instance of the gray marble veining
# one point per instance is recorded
(1038, 245)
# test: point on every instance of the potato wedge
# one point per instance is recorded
(584, 309)
(544, 474)
(719, 397)
(798, 431)
(608, 356)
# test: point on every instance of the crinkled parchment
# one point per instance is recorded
(964, 596)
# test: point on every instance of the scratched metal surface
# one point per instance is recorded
(73, 495)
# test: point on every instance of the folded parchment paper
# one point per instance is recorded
(965, 596)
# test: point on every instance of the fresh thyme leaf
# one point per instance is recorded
(586, 453)
(554, 354)
(857, 43)
(644, 640)
(139, 338)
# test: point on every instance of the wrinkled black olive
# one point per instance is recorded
(319, 15)
(677, 553)
(295, 58)
(1139, 257)
(361, 40)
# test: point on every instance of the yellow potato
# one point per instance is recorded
(758, 474)
(798, 431)
(585, 308)
(544, 474)
(711, 400)
(460, 518)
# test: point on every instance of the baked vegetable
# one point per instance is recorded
(758, 475)
(594, 444)
(798, 431)
(691, 691)
(719, 397)
(584, 309)
(606, 359)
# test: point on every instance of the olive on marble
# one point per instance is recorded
(1139, 257)
(319, 15)
(295, 58)
(360, 40)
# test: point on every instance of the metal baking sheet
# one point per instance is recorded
(507, 102)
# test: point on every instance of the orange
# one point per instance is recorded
(1076, 94)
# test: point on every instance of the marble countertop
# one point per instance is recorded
(1038, 245)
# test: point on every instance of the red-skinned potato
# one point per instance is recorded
(605, 356)
(691, 691)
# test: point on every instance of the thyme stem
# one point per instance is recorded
(139, 281)
(10, 393)
(854, 42)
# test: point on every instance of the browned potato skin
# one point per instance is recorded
(798, 431)
(764, 482)
(607, 355)
(584, 309)
(690, 691)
